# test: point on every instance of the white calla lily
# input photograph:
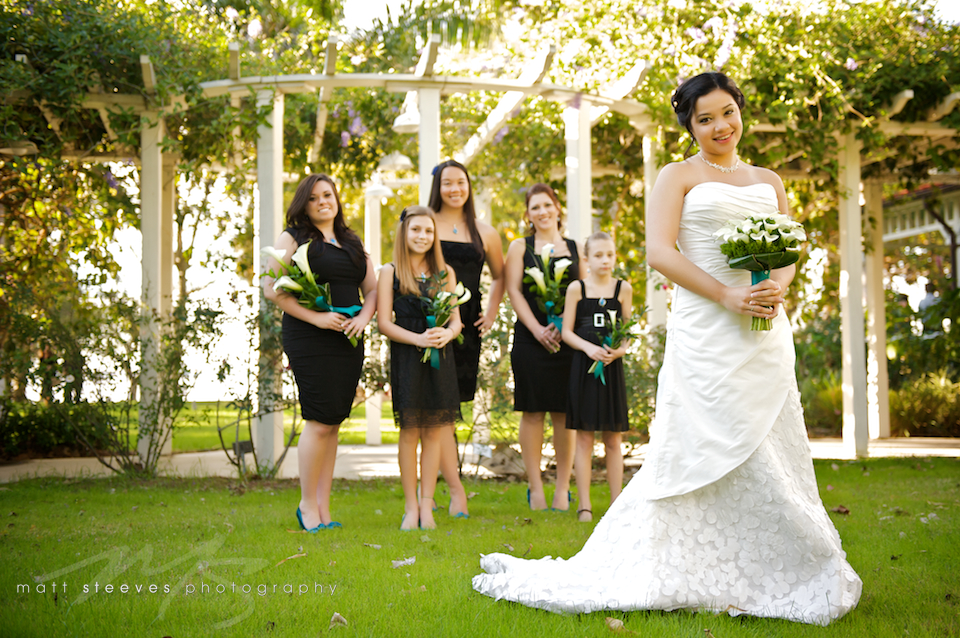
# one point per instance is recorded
(546, 252)
(277, 255)
(613, 317)
(560, 267)
(287, 284)
(462, 293)
(300, 259)
(537, 277)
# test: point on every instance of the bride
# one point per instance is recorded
(724, 515)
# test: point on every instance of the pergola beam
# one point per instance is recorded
(622, 88)
(504, 109)
(323, 96)
(897, 104)
(944, 108)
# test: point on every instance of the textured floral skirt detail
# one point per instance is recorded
(758, 541)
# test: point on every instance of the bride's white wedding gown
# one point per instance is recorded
(725, 514)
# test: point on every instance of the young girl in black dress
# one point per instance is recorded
(467, 243)
(540, 361)
(595, 405)
(426, 400)
(317, 344)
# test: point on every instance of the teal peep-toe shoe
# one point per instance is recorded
(312, 530)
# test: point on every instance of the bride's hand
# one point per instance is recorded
(760, 300)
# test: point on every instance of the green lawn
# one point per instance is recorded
(197, 426)
(189, 537)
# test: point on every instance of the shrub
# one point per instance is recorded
(38, 429)
(822, 400)
(928, 406)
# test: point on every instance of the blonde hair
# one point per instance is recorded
(409, 284)
(597, 236)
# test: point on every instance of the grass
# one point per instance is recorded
(184, 534)
(196, 428)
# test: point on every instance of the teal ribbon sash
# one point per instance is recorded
(324, 306)
(434, 354)
(552, 316)
(599, 366)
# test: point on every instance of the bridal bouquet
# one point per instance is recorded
(761, 244)
(546, 286)
(299, 280)
(438, 309)
(618, 332)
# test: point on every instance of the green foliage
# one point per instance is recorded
(927, 406)
(39, 429)
(640, 367)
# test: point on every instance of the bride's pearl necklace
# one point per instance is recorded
(722, 169)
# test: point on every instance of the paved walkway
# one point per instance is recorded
(371, 461)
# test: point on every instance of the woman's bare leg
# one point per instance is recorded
(531, 447)
(564, 442)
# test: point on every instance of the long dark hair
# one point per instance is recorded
(305, 230)
(469, 211)
(685, 98)
(545, 189)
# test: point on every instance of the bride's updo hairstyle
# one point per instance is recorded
(685, 98)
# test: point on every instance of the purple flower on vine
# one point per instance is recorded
(850, 64)
(501, 134)
(110, 180)
(713, 24)
(695, 34)
(345, 139)
(357, 127)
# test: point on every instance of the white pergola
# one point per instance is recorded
(863, 418)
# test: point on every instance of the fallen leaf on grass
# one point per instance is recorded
(472, 494)
(614, 624)
(829, 488)
(508, 546)
(840, 509)
(404, 562)
(424, 539)
(290, 557)
(708, 633)
(373, 545)
(896, 556)
(529, 548)
(337, 621)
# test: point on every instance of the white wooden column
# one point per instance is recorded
(855, 426)
(429, 138)
(576, 132)
(151, 207)
(371, 241)
(167, 210)
(656, 291)
(878, 386)
(268, 427)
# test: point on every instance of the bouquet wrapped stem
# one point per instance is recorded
(546, 283)
(761, 244)
(619, 331)
(438, 310)
(299, 280)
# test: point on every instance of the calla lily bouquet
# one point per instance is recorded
(618, 332)
(439, 308)
(299, 280)
(761, 244)
(545, 283)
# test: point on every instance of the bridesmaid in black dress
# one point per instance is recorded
(540, 361)
(326, 365)
(467, 243)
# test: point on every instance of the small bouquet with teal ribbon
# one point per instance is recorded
(761, 244)
(618, 331)
(299, 280)
(438, 309)
(545, 284)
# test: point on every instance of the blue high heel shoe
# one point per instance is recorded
(312, 530)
